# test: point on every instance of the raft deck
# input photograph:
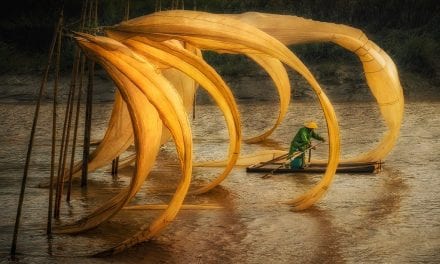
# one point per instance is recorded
(277, 167)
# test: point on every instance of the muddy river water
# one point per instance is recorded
(389, 217)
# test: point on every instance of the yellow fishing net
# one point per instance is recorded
(156, 63)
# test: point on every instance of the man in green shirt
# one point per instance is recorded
(301, 142)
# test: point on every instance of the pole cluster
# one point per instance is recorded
(88, 22)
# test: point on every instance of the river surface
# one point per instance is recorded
(389, 217)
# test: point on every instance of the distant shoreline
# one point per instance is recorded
(346, 84)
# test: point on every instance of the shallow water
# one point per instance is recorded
(389, 217)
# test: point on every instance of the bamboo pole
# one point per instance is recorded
(115, 167)
(115, 161)
(61, 155)
(96, 14)
(127, 11)
(89, 24)
(75, 131)
(78, 105)
(93, 14)
(54, 130)
(32, 135)
(194, 105)
(66, 134)
(88, 125)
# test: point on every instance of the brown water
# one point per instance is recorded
(389, 217)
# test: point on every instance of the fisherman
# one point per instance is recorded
(301, 142)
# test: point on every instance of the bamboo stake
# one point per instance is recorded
(115, 162)
(127, 11)
(66, 131)
(89, 100)
(89, 24)
(96, 14)
(32, 136)
(194, 105)
(75, 131)
(115, 166)
(62, 147)
(88, 125)
(54, 128)
(78, 105)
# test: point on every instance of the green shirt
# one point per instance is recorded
(301, 141)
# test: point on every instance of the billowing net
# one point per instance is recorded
(156, 62)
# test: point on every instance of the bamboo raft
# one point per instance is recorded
(278, 168)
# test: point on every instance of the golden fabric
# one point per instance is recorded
(156, 63)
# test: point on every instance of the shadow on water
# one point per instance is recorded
(271, 143)
(196, 236)
(327, 249)
(389, 196)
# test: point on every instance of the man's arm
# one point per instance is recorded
(317, 136)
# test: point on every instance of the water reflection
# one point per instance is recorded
(327, 248)
(389, 196)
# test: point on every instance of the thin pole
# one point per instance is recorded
(89, 100)
(75, 131)
(194, 105)
(31, 138)
(78, 105)
(310, 155)
(115, 165)
(115, 161)
(88, 124)
(127, 10)
(62, 147)
(89, 24)
(54, 133)
(66, 135)
(96, 14)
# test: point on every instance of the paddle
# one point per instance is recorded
(272, 160)
(296, 154)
